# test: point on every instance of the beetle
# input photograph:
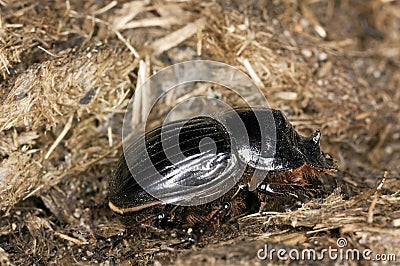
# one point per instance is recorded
(281, 166)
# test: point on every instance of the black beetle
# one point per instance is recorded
(290, 175)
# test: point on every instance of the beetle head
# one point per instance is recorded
(310, 147)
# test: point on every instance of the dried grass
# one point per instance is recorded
(69, 68)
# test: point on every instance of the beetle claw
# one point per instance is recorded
(187, 242)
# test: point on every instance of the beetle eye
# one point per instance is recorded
(316, 137)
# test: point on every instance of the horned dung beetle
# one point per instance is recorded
(291, 174)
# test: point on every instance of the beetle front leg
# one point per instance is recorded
(278, 190)
(279, 197)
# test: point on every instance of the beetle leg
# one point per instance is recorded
(283, 190)
(115, 239)
(194, 236)
(279, 197)
(217, 216)
(223, 210)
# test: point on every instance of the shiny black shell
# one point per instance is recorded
(292, 152)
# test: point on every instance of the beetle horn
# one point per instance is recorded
(316, 137)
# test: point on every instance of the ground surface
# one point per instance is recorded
(68, 69)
